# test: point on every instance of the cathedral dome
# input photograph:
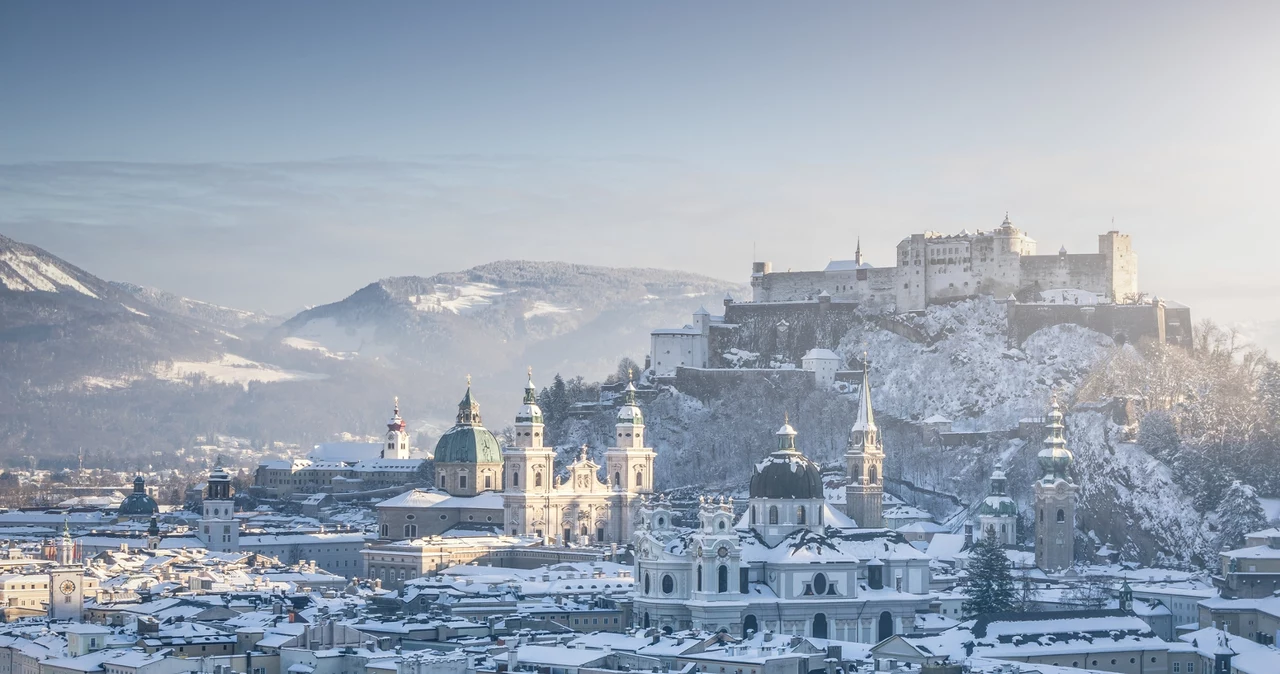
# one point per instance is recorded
(786, 473)
(138, 503)
(468, 441)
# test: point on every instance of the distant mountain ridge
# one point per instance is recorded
(138, 371)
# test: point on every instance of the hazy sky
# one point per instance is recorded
(272, 155)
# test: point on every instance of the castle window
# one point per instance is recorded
(617, 479)
(1062, 516)
(773, 514)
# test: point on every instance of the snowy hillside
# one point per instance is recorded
(495, 320)
(225, 317)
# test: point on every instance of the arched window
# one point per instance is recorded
(668, 584)
(1004, 529)
(599, 534)
(722, 579)
(515, 479)
(639, 478)
(874, 475)
(752, 515)
(1062, 515)
(617, 479)
(819, 626)
(749, 626)
(698, 572)
(410, 531)
(773, 514)
(721, 525)
(800, 515)
(537, 479)
(646, 591)
(885, 626)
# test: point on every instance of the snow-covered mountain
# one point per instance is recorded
(236, 320)
(494, 320)
(138, 372)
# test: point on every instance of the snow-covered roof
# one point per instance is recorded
(821, 354)
(846, 265)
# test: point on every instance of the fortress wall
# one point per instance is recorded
(707, 384)
(1177, 326)
(809, 324)
(792, 285)
(1124, 322)
(1087, 272)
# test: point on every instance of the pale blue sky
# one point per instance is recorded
(656, 134)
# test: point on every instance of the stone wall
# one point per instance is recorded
(1126, 323)
(782, 330)
(705, 384)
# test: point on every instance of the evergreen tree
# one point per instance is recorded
(989, 587)
(1238, 514)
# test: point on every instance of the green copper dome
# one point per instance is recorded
(468, 441)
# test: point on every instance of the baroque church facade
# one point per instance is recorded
(473, 467)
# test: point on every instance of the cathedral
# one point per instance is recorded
(473, 467)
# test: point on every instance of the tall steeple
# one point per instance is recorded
(397, 446)
(469, 409)
(864, 461)
(857, 255)
(1055, 497)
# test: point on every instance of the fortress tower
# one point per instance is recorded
(864, 462)
(1055, 499)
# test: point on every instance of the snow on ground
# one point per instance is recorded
(336, 340)
(231, 369)
(105, 383)
(543, 308)
(134, 311)
(458, 299)
(29, 273)
(970, 375)
(309, 345)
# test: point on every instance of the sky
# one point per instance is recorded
(277, 155)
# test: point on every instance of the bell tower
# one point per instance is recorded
(397, 445)
(864, 462)
(628, 463)
(1055, 498)
(219, 530)
(66, 582)
(528, 466)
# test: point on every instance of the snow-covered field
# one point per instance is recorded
(458, 299)
(26, 272)
(325, 336)
(231, 369)
(544, 308)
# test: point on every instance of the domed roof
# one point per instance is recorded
(139, 503)
(997, 502)
(786, 473)
(468, 441)
(1055, 459)
(529, 412)
(630, 412)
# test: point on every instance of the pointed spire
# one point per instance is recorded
(857, 255)
(866, 415)
(468, 408)
(395, 406)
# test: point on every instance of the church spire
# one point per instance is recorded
(530, 391)
(857, 255)
(866, 415)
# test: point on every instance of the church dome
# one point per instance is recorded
(468, 441)
(630, 412)
(786, 473)
(139, 503)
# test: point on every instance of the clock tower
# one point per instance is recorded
(66, 582)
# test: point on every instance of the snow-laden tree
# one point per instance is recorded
(1238, 514)
(989, 587)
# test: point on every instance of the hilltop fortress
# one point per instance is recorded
(933, 267)
(797, 318)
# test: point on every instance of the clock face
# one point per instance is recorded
(67, 587)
